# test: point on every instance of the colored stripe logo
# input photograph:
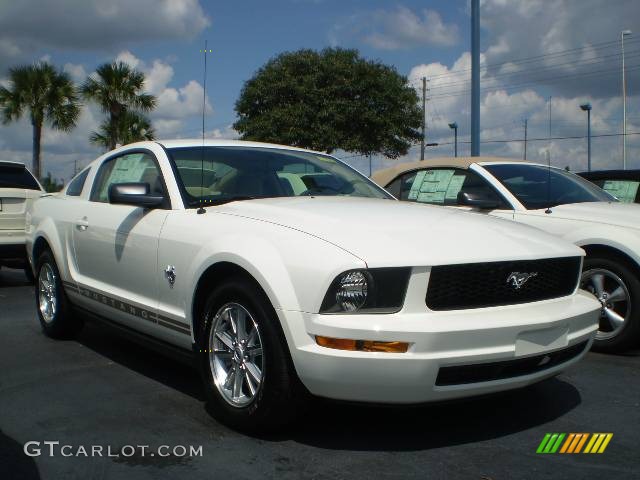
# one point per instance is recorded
(574, 443)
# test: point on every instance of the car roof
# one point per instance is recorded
(196, 142)
(6, 163)
(383, 177)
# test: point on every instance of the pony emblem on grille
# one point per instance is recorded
(518, 279)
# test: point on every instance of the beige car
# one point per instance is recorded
(18, 189)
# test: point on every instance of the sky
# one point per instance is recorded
(535, 54)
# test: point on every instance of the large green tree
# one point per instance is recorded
(328, 100)
(117, 88)
(46, 95)
(130, 127)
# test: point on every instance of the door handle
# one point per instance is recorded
(82, 224)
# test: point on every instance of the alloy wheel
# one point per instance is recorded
(614, 298)
(235, 355)
(47, 293)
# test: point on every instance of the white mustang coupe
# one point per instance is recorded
(283, 272)
(555, 201)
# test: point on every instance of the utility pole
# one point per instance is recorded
(549, 147)
(586, 107)
(424, 115)
(475, 78)
(525, 138)
(624, 103)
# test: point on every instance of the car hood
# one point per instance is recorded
(393, 233)
(604, 213)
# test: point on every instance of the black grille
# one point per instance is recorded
(486, 372)
(476, 285)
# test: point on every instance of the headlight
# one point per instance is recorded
(377, 290)
(351, 293)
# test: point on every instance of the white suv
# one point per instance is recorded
(18, 188)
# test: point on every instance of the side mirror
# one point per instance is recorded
(476, 200)
(134, 194)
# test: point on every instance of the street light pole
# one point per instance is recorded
(586, 107)
(454, 126)
(624, 102)
(475, 78)
(424, 115)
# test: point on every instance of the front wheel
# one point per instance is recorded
(248, 376)
(618, 290)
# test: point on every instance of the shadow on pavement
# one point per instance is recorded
(333, 425)
(140, 359)
(10, 277)
(354, 427)
(13, 460)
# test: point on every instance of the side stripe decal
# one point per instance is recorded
(129, 308)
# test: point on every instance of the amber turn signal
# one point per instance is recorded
(362, 345)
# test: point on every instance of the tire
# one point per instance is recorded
(269, 395)
(29, 274)
(57, 318)
(609, 278)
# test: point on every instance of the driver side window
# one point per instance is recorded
(132, 167)
(443, 186)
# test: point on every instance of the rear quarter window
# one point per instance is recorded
(77, 184)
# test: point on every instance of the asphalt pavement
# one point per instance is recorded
(103, 390)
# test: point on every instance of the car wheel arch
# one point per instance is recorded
(40, 245)
(213, 276)
(595, 250)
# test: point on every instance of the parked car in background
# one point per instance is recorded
(622, 184)
(18, 189)
(553, 200)
(284, 272)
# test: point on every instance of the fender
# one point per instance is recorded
(622, 239)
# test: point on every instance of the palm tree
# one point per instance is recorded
(117, 88)
(131, 127)
(47, 95)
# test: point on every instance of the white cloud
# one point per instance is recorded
(96, 24)
(173, 103)
(396, 29)
(76, 71)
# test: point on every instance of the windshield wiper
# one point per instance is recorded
(221, 200)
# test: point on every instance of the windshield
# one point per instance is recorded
(217, 174)
(530, 185)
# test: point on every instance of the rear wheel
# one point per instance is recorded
(618, 290)
(54, 310)
(248, 376)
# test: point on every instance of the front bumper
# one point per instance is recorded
(438, 340)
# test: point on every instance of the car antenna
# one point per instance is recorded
(548, 210)
(201, 209)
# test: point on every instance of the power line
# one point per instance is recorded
(533, 59)
(545, 139)
(537, 82)
(548, 69)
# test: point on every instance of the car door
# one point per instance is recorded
(444, 185)
(116, 245)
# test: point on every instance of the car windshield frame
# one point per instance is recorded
(584, 192)
(319, 167)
